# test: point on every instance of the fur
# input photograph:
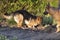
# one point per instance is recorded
(23, 16)
(55, 13)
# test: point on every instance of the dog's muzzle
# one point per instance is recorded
(45, 13)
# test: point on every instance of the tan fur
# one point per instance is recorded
(33, 22)
(18, 18)
(7, 17)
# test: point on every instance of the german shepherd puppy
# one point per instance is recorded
(55, 13)
(23, 16)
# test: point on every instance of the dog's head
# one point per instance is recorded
(39, 19)
(47, 9)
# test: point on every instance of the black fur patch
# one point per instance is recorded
(26, 14)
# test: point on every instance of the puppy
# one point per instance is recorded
(22, 17)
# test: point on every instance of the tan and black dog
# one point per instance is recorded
(55, 13)
(23, 16)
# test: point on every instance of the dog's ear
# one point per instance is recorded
(47, 9)
(39, 18)
(48, 5)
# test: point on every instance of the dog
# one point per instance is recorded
(55, 13)
(24, 17)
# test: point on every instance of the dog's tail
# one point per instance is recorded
(7, 16)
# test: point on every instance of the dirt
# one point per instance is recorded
(28, 34)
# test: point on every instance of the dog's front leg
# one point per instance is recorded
(58, 28)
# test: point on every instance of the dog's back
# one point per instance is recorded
(26, 14)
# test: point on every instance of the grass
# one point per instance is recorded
(3, 37)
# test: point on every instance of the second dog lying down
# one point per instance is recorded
(22, 16)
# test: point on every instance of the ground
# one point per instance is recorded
(27, 34)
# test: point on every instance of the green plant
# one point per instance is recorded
(47, 20)
(2, 37)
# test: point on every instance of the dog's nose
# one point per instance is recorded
(45, 13)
